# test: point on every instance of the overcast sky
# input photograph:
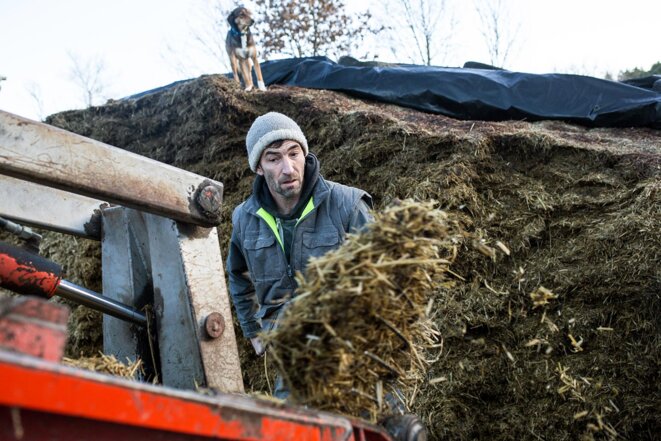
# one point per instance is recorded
(145, 44)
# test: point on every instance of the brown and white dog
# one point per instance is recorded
(241, 48)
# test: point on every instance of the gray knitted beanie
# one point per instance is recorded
(269, 128)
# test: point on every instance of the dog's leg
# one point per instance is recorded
(235, 67)
(247, 75)
(258, 71)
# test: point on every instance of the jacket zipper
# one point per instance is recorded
(281, 232)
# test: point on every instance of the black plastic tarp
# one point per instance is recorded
(652, 82)
(478, 94)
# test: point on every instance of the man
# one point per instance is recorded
(293, 214)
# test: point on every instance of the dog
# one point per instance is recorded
(241, 48)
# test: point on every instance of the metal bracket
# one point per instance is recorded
(189, 286)
(58, 180)
(127, 279)
(178, 268)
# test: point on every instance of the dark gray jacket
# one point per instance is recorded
(260, 278)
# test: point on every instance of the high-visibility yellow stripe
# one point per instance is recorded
(273, 225)
(270, 221)
(308, 208)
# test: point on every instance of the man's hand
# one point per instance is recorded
(258, 345)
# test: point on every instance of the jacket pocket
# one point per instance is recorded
(265, 261)
(318, 244)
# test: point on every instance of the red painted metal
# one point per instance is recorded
(33, 326)
(132, 410)
(40, 400)
(28, 425)
(26, 273)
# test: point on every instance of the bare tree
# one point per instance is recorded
(204, 49)
(88, 76)
(427, 27)
(496, 28)
(34, 91)
(212, 38)
(311, 28)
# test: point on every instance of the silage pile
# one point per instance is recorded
(357, 336)
(559, 340)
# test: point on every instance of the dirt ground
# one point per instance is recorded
(559, 340)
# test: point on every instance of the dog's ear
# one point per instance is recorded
(230, 18)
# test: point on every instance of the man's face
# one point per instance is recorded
(284, 169)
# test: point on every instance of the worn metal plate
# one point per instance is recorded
(189, 284)
(203, 267)
(127, 279)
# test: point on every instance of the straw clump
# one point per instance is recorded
(107, 364)
(356, 335)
